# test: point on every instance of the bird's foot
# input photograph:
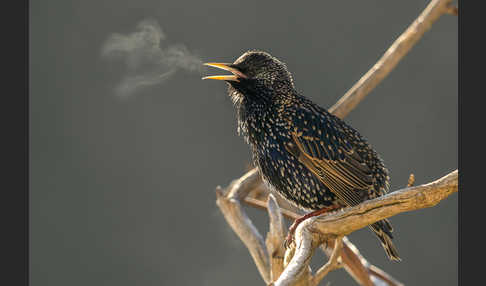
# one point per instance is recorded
(290, 236)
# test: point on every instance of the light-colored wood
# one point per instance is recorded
(348, 220)
(275, 238)
(391, 58)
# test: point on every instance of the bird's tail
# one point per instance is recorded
(383, 230)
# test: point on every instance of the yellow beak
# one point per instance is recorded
(236, 74)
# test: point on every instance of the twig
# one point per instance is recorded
(354, 263)
(390, 59)
(377, 272)
(452, 9)
(275, 238)
(239, 188)
(411, 181)
(331, 264)
(246, 231)
(261, 205)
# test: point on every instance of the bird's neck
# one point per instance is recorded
(250, 114)
(257, 118)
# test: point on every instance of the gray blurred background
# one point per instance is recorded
(122, 190)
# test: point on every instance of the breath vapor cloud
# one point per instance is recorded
(149, 60)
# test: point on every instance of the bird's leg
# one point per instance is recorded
(293, 227)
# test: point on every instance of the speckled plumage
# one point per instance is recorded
(309, 156)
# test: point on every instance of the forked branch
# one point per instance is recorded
(344, 222)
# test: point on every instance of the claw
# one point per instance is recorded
(290, 236)
(289, 240)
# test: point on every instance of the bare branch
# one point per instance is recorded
(244, 228)
(361, 270)
(305, 245)
(261, 205)
(275, 238)
(377, 273)
(353, 262)
(239, 188)
(407, 199)
(390, 59)
(351, 219)
(331, 264)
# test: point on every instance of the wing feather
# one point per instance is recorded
(345, 175)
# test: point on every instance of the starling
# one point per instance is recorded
(309, 156)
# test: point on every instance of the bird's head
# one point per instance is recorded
(256, 75)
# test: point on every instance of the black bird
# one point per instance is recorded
(309, 156)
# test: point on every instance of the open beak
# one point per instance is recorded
(236, 74)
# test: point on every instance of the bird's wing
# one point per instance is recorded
(327, 153)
